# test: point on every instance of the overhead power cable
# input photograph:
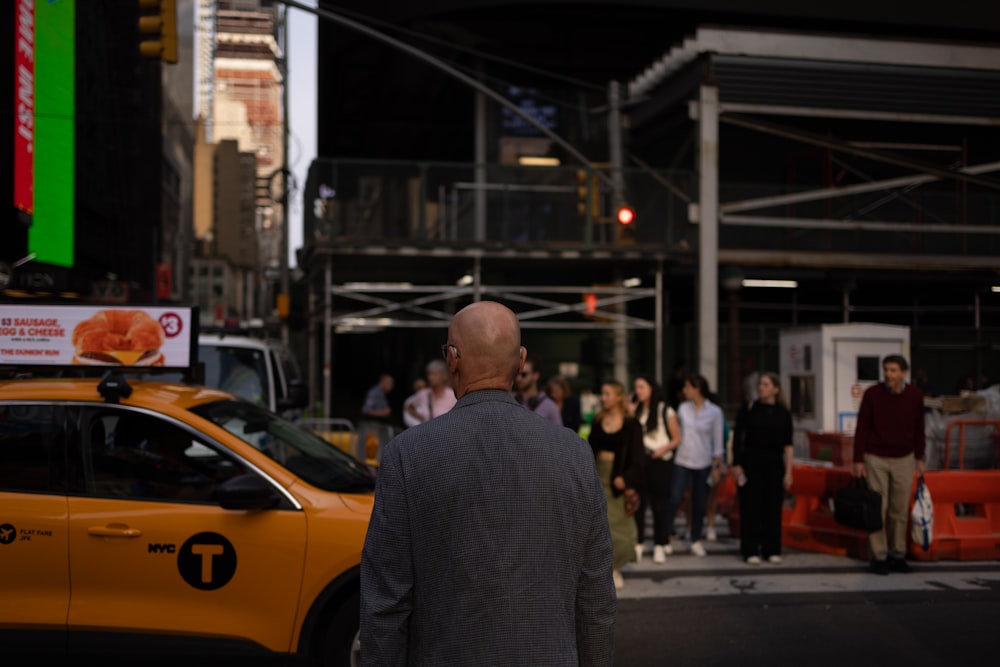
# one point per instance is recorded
(452, 71)
(475, 52)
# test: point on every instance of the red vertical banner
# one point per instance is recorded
(24, 105)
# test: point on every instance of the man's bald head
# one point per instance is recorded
(489, 355)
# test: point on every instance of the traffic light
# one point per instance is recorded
(159, 30)
(625, 230)
(588, 193)
(625, 215)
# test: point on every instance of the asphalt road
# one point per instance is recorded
(813, 610)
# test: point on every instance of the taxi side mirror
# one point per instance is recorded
(247, 492)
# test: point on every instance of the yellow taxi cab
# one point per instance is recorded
(163, 518)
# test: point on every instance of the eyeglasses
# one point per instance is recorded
(444, 351)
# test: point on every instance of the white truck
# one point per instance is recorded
(261, 370)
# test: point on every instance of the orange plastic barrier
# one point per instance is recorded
(807, 521)
(966, 506)
(807, 518)
(966, 515)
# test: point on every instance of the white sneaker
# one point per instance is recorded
(619, 580)
(774, 560)
(668, 550)
(659, 556)
(753, 560)
(638, 553)
(698, 549)
(710, 535)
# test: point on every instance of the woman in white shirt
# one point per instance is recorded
(433, 400)
(699, 456)
(661, 435)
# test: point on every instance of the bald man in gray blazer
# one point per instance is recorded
(489, 541)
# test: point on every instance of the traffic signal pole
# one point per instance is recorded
(615, 151)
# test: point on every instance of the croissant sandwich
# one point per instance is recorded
(119, 338)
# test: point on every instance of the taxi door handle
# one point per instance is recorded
(114, 530)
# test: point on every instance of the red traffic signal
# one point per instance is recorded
(626, 215)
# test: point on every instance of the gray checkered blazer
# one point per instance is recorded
(488, 544)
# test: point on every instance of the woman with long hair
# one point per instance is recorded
(616, 439)
(762, 467)
(661, 435)
(699, 456)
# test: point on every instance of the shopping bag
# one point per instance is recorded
(922, 516)
(857, 506)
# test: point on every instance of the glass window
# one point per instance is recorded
(139, 456)
(33, 441)
(868, 369)
(307, 456)
(803, 396)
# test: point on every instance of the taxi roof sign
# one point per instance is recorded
(143, 338)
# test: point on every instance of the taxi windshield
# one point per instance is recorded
(305, 455)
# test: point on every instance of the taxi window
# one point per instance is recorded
(139, 456)
(308, 457)
(33, 441)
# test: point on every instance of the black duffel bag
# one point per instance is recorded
(857, 506)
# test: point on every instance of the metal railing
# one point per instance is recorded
(378, 201)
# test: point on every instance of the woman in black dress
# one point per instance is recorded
(762, 468)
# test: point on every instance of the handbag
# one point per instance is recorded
(858, 506)
(922, 516)
(631, 501)
(653, 441)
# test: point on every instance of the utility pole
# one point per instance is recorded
(616, 155)
(285, 298)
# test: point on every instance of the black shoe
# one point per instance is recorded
(899, 565)
(879, 567)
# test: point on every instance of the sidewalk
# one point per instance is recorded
(724, 554)
(723, 572)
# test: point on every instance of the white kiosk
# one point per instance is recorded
(825, 369)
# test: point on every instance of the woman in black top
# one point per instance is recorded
(616, 439)
(762, 467)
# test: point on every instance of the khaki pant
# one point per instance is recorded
(893, 478)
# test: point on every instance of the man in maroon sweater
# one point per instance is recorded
(888, 437)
